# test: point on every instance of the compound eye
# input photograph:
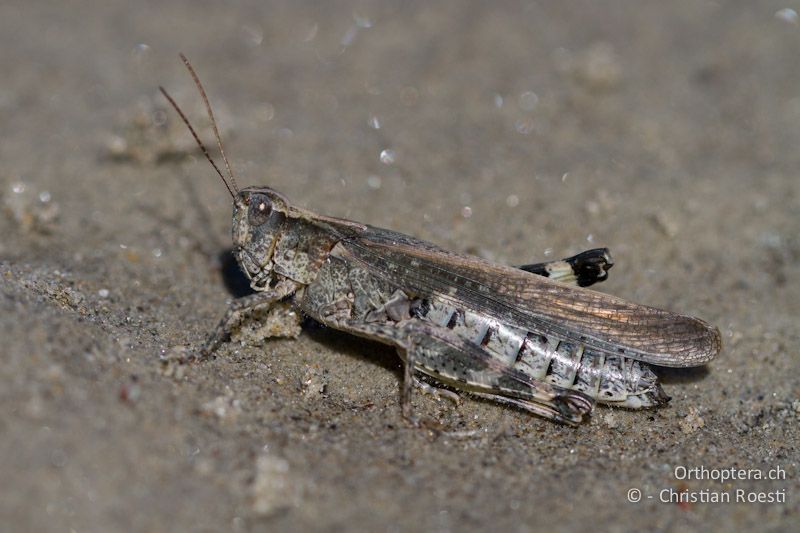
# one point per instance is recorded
(260, 209)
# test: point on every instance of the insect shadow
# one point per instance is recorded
(681, 375)
(234, 279)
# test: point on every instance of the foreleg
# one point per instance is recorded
(239, 308)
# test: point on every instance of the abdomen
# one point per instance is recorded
(610, 379)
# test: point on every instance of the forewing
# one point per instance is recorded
(600, 321)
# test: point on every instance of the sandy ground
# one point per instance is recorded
(667, 131)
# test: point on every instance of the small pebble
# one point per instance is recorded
(692, 422)
(274, 487)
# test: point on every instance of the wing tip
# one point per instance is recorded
(712, 344)
(706, 346)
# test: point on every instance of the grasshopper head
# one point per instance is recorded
(258, 216)
(258, 212)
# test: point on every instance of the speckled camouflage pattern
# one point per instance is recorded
(504, 333)
(491, 330)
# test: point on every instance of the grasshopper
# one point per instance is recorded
(532, 336)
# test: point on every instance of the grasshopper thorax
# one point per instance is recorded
(259, 214)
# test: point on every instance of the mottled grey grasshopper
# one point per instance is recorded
(529, 336)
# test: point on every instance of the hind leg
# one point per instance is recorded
(436, 392)
(446, 357)
(583, 269)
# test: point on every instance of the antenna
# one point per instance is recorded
(199, 142)
(211, 116)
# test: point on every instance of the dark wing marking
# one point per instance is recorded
(599, 321)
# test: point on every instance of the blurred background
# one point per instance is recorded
(516, 131)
